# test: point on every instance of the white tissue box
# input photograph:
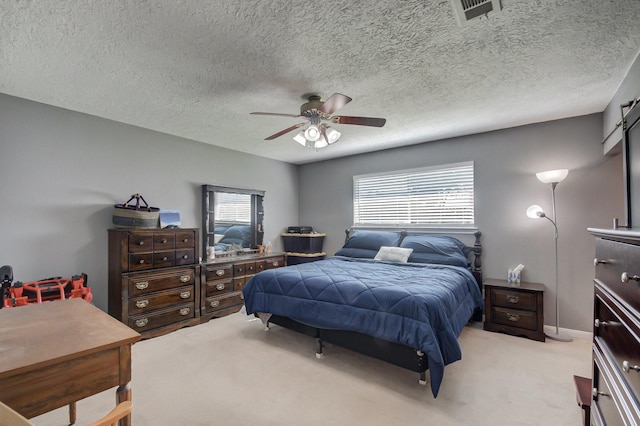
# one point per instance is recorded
(513, 278)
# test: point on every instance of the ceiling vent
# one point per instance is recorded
(466, 10)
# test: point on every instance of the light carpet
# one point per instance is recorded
(230, 371)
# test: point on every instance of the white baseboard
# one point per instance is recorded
(577, 334)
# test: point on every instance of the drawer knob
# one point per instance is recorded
(141, 243)
(513, 317)
(215, 303)
(142, 322)
(220, 272)
(595, 393)
(597, 261)
(513, 299)
(185, 278)
(597, 323)
(141, 285)
(164, 259)
(275, 263)
(141, 261)
(164, 241)
(185, 256)
(186, 240)
(220, 286)
(626, 367)
(185, 311)
(185, 294)
(625, 277)
(142, 304)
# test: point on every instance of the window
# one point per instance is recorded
(232, 208)
(440, 196)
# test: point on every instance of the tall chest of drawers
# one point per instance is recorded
(222, 281)
(154, 279)
(616, 328)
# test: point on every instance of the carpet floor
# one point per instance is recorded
(230, 371)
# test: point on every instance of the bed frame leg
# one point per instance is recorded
(319, 348)
(266, 327)
(423, 378)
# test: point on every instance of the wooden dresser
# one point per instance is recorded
(222, 281)
(154, 279)
(616, 328)
(514, 310)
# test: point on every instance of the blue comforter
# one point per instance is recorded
(422, 306)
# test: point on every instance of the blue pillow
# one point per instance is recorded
(365, 244)
(438, 249)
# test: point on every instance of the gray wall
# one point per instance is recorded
(63, 171)
(505, 185)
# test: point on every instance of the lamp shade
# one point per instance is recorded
(312, 133)
(535, 211)
(300, 138)
(552, 176)
(332, 135)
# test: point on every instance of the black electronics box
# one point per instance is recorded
(300, 229)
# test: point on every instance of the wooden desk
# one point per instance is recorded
(56, 353)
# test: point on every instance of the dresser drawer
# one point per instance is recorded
(219, 272)
(140, 242)
(164, 241)
(619, 258)
(239, 283)
(185, 256)
(217, 287)
(617, 334)
(162, 317)
(513, 299)
(275, 262)
(160, 300)
(515, 318)
(140, 261)
(222, 302)
(140, 284)
(164, 259)
(185, 239)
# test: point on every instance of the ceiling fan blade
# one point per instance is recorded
(276, 114)
(285, 131)
(334, 103)
(360, 121)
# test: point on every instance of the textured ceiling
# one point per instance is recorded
(196, 68)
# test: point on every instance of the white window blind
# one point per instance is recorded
(429, 197)
(232, 207)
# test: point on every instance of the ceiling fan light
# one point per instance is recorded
(320, 143)
(300, 138)
(332, 135)
(312, 133)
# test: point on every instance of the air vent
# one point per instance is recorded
(466, 10)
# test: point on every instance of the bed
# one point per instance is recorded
(402, 298)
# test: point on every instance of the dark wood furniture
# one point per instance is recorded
(518, 311)
(154, 279)
(583, 397)
(222, 281)
(56, 353)
(303, 248)
(616, 328)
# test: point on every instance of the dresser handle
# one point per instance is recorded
(141, 261)
(142, 322)
(142, 304)
(597, 323)
(164, 259)
(626, 367)
(595, 393)
(513, 317)
(185, 311)
(220, 286)
(186, 240)
(185, 278)
(141, 243)
(220, 272)
(215, 303)
(625, 277)
(513, 299)
(164, 241)
(185, 294)
(601, 261)
(185, 256)
(275, 264)
(142, 285)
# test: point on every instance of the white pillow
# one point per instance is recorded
(394, 254)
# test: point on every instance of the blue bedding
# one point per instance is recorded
(422, 306)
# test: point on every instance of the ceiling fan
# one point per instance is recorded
(317, 112)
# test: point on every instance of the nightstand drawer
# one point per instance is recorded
(515, 318)
(513, 299)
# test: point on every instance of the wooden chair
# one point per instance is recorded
(9, 417)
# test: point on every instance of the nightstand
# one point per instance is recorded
(514, 310)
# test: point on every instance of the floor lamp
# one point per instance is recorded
(552, 177)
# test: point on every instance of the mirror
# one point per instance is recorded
(231, 216)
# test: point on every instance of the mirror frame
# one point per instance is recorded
(208, 203)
